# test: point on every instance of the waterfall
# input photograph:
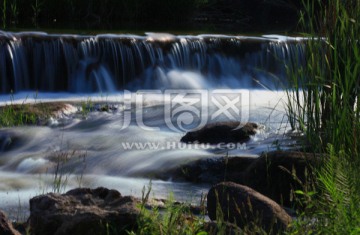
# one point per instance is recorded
(108, 63)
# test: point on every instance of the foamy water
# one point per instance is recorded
(98, 147)
(159, 87)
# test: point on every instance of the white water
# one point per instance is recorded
(95, 145)
(26, 169)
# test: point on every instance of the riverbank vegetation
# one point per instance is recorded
(27, 113)
(324, 104)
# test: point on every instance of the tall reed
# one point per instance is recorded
(323, 102)
(324, 94)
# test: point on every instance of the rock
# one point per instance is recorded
(246, 207)
(5, 141)
(272, 174)
(209, 170)
(62, 110)
(6, 227)
(9, 140)
(83, 211)
(221, 132)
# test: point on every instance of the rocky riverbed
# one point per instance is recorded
(274, 175)
(237, 172)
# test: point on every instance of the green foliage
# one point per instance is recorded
(174, 219)
(323, 102)
(14, 12)
(27, 113)
(86, 107)
(36, 8)
(16, 115)
(340, 203)
(60, 176)
(332, 208)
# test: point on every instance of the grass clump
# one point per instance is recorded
(174, 219)
(323, 99)
(28, 113)
(86, 107)
(16, 115)
(24, 114)
(323, 102)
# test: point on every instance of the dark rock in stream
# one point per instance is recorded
(6, 227)
(221, 132)
(209, 170)
(7, 140)
(92, 212)
(83, 211)
(275, 174)
(246, 207)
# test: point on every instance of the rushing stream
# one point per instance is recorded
(157, 87)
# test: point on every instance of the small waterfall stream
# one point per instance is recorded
(78, 68)
(108, 63)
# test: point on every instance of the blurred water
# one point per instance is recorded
(95, 151)
(95, 148)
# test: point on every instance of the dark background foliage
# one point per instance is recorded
(239, 15)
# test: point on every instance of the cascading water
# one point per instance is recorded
(108, 63)
(80, 67)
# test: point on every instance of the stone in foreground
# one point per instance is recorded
(6, 227)
(244, 206)
(83, 211)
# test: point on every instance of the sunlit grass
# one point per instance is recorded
(28, 113)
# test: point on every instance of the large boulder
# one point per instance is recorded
(244, 206)
(221, 132)
(83, 211)
(6, 227)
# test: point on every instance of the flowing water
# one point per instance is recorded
(157, 86)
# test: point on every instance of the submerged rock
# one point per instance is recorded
(6, 227)
(245, 207)
(10, 139)
(6, 140)
(221, 132)
(83, 211)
